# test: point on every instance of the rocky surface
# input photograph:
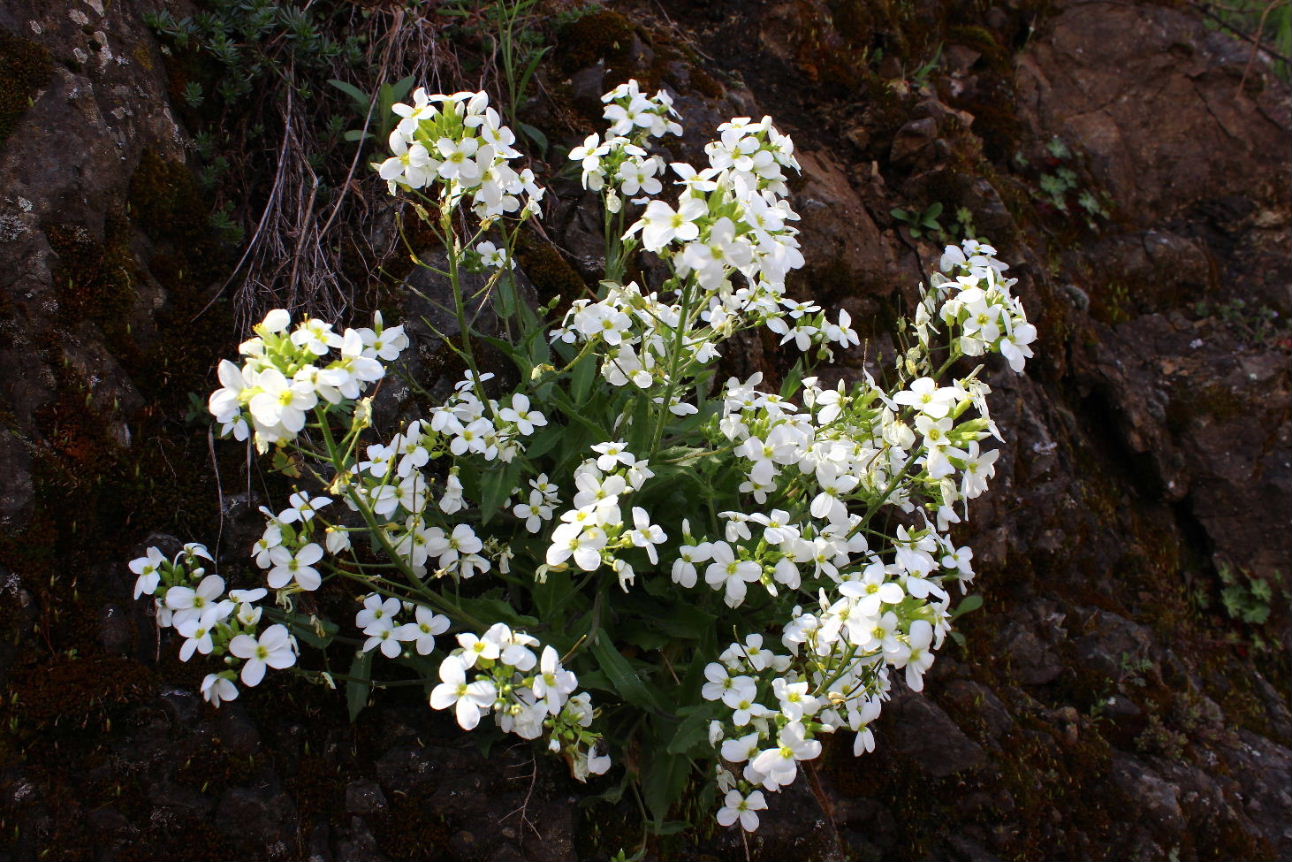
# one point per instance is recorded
(1106, 704)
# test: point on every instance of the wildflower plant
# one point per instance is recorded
(682, 583)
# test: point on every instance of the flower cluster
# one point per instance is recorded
(459, 143)
(379, 621)
(211, 620)
(485, 428)
(875, 610)
(730, 241)
(621, 158)
(591, 532)
(690, 510)
(532, 696)
(283, 378)
(978, 305)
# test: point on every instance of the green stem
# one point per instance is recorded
(675, 359)
(345, 677)
(432, 598)
(454, 250)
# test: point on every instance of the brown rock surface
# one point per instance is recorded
(1105, 704)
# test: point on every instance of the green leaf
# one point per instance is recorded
(573, 412)
(642, 634)
(544, 441)
(356, 690)
(790, 385)
(361, 99)
(523, 83)
(581, 379)
(641, 426)
(612, 795)
(595, 680)
(967, 605)
(534, 135)
(399, 91)
(1256, 615)
(494, 488)
(663, 784)
(551, 596)
(693, 730)
(488, 610)
(621, 674)
(671, 827)
(539, 351)
(518, 357)
(686, 621)
(506, 298)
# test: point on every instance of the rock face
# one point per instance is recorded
(1116, 698)
(103, 90)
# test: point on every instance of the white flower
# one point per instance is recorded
(316, 336)
(427, 624)
(387, 639)
(148, 570)
(521, 416)
(534, 513)
(381, 343)
(459, 162)
(719, 681)
(613, 454)
(645, 534)
(280, 402)
(475, 648)
(225, 404)
(918, 657)
(298, 567)
(451, 501)
(684, 571)
(377, 613)
(661, 224)
(469, 699)
(730, 574)
(198, 631)
(553, 682)
(217, 689)
(584, 544)
(737, 806)
(979, 468)
(872, 591)
(275, 321)
(302, 507)
(741, 749)
(1014, 346)
(274, 648)
(514, 647)
(412, 116)
(411, 166)
(492, 256)
(188, 602)
(778, 766)
(926, 396)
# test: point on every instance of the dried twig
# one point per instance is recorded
(302, 253)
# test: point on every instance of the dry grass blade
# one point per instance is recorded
(313, 249)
